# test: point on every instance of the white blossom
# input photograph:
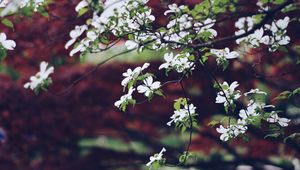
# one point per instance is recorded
(278, 37)
(74, 34)
(173, 8)
(232, 131)
(206, 27)
(3, 3)
(255, 91)
(224, 53)
(183, 22)
(131, 44)
(244, 23)
(180, 115)
(82, 45)
(230, 93)
(149, 87)
(253, 109)
(274, 118)
(7, 44)
(125, 98)
(81, 5)
(40, 77)
(156, 157)
(133, 74)
(178, 62)
(262, 7)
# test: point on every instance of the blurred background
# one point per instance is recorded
(79, 128)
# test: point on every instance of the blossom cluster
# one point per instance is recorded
(178, 62)
(182, 114)
(12, 6)
(277, 29)
(116, 17)
(147, 86)
(252, 115)
(223, 55)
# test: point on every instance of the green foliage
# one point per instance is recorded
(43, 86)
(187, 156)
(275, 131)
(2, 54)
(7, 23)
(9, 71)
(285, 95)
(82, 11)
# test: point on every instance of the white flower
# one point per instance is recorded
(206, 26)
(225, 53)
(133, 74)
(255, 91)
(169, 58)
(8, 44)
(81, 5)
(92, 35)
(156, 157)
(11, 7)
(173, 8)
(225, 135)
(252, 110)
(229, 95)
(149, 86)
(83, 44)
(3, 3)
(144, 17)
(179, 62)
(74, 34)
(179, 115)
(245, 23)
(131, 44)
(262, 7)
(40, 77)
(274, 118)
(184, 22)
(239, 128)
(232, 131)
(254, 39)
(125, 98)
(280, 24)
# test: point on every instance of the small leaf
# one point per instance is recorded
(82, 11)
(296, 91)
(159, 92)
(274, 135)
(2, 54)
(7, 23)
(293, 136)
(283, 95)
(213, 123)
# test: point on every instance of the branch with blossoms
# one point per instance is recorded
(189, 40)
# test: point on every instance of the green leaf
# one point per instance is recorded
(82, 11)
(293, 136)
(273, 135)
(159, 92)
(2, 54)
(283, 95)
(296, 91)
(7, 23)
(213, 123)
(246, 138)
(177, 104)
